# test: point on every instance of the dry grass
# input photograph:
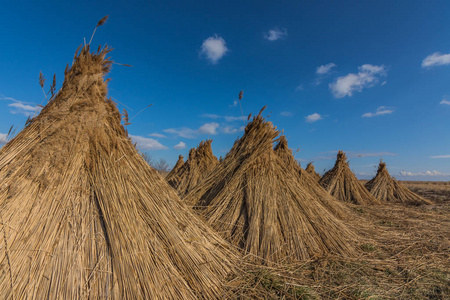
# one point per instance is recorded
(312, 171)
(342, 183)
(254, 200)
(387, 189)
(404, 253)
(83, 215)
(200, 163)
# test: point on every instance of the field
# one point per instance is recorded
(404, 254)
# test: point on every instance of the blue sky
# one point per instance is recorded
(368, 77)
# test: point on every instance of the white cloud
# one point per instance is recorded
(146, 143)
(158, 135)
(368, 76)
(286, 114)
(231, 129)
(313, 118)
(3, 138)
(188, 133)
(209, 128)
(436, 59)
(214, 48)
(425, 173)
(180, 145)
(440, 156)
(235, 103)
(324, 69)
(444, 101)
(299, 87)
(382, 110)
(275, 34)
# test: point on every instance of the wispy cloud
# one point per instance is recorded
(226, 118)
(147, 143)
(352, 154)
(325, 69)
(235, 103)
(158, 135)
(275, 34)
(213, 48)
(21, 107)
(445, 102)
(440, 156)
(188, 133)
(299, 87)
(382, 110)
(180, 145)
(368, 76)
(425, 173)
(286, 114)
(313, 118)
(232, 129)
(436, 59)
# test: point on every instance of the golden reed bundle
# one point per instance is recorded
(84, 216)
(200, 163)
(254, 201)
(387, 189)
(342, 183)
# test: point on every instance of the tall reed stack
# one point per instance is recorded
(254, 201)
(84, 216)
(200, 163)
(387, 189)
(343, 184)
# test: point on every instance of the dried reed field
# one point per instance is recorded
(83, 216)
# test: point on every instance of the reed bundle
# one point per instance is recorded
(200, 163)
(342, 183)
(387, 189)
(312, 171)
(253, 200)
(307, 182)
(84, 216)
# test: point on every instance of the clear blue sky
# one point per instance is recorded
(368, 77)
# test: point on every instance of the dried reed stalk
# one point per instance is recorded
(312, 171)
(342, 183)
(253, 199)
(387, 189)
(200, 163)
(87, 217)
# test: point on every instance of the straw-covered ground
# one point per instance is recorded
(404, 254)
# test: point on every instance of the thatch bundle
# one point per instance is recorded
(200, 163)
(253, 199)
(306, 181)
(178, 165)
(385, 188)
(342, 183)
(83, 215)
(312, 171)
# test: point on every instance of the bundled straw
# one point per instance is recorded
(178, 165)
(312, 171)
(200, 163)
(307, 182)
(387, 189)
(342, 183)
(84, 216)
(253, 199)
